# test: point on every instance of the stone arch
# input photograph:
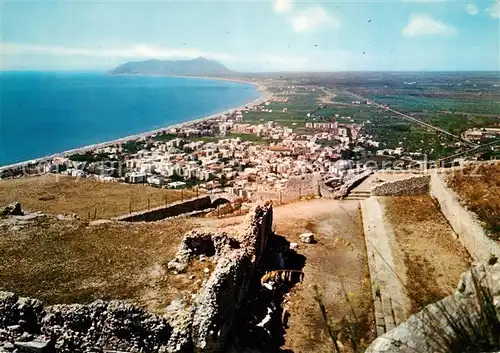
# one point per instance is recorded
(220, 201)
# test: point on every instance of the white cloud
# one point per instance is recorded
(494, 9)
(140, 51)
(313, 18)
(471, 9)
(424, 25)
(282, 5)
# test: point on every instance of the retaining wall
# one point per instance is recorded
(172, 210)
(465, 223)
(418, 185)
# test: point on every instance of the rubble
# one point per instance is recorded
(31, 327)
(203, 243)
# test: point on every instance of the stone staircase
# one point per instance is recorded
(358, 195)
(388, 293)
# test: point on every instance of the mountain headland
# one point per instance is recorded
(194, 67)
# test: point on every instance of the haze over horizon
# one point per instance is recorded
(255, 36)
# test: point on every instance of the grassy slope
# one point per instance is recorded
(72, 262)
(52, 194)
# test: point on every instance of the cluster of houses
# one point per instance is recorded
(482, 134)
(237, 166)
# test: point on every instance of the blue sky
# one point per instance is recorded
(280, 35)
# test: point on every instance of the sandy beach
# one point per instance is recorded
(266, 95)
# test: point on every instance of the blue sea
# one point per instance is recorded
(43, 113)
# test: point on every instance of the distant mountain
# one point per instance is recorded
(194, 67)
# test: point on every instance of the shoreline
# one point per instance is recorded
(265, 95)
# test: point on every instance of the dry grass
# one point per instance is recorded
(71, 261)
(433, 257)
(86, 198)
(479, 188)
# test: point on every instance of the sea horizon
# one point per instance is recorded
(45, 113)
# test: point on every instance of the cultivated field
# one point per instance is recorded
(86, 198)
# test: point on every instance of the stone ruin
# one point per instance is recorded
(28, 326)
(204, 325)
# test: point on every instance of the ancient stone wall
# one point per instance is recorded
(418, 185)
(172, 210)
(201, 326)
(464, 223)
(223, 294)
(451, 321)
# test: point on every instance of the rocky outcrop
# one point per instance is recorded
(453, 322)
(114, 325)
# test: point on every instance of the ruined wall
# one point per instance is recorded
(442, 324)
(404, 187)
(297, 187)
(224, 293)
(465, 224)
(171, 210)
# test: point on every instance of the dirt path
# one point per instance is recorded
(336, 265)
(328, 97)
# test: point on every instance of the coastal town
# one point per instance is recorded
(227, 154)
(253, 159)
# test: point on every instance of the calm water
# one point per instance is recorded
(46, 113)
